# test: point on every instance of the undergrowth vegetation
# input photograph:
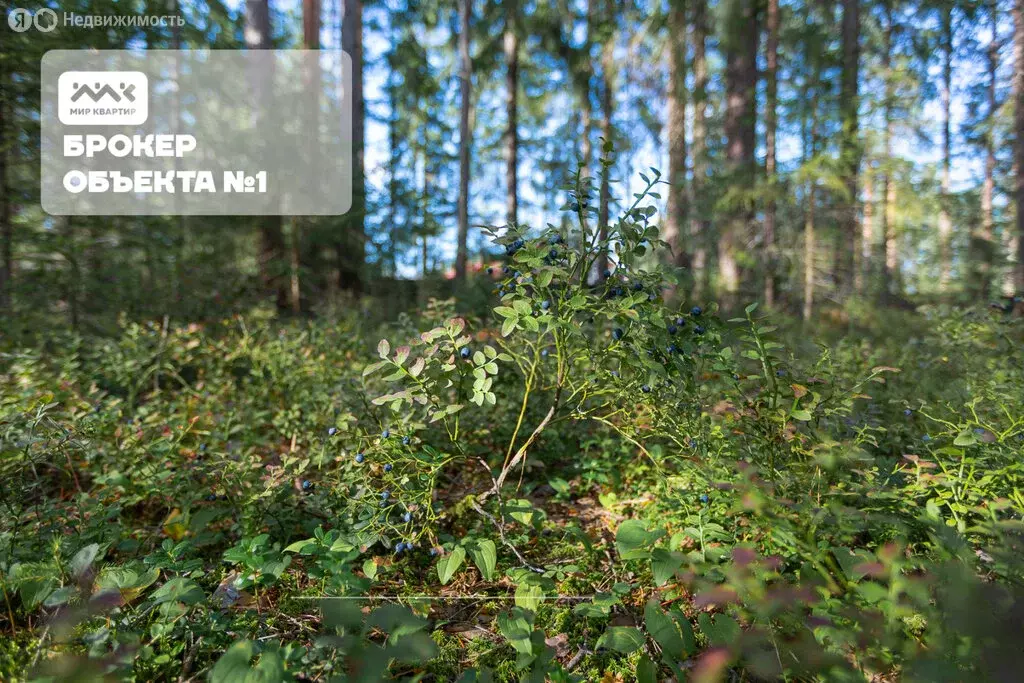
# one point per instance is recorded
(582, 482)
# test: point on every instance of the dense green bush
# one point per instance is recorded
(615, 481)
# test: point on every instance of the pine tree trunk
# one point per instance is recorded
(272, 261)
(945, 223)
(465, 137)
(6, 226)
(700, 225)
(607, 100)
(890, 260)
(351, 250)
(741, 37)
(982, 242)
(771, 102)
(511, 44)
(1018, 96)
(851, 149)
(677, 205)
(867, 235)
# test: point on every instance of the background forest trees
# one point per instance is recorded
(818, 153)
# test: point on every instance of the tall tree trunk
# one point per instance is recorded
(677, 205)
(740, 43)
(511, 44)
(700, 225)
(465, 137)
(607, 102)
(891, 258)
(350, 251)
(272, 260)
(6, 227)
(851, 149)
(771, 102)
(810, 89)
(1018, 97)
(867, 235)
(945, 223)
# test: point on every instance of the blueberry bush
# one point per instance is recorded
(591, 478)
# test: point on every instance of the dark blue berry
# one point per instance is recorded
(554, 239)
(696, 310)
(615, 373)
(385, 495)
(672, 329)
(519, 243)
(680, 321)
(553, 254)
(704, 498)
(433, 552)
(306, 484)
(211, 497)
(545, 304)
(506, 270)
(360, 457)
(908, 412)
(407, 517)
(617, 333)
(606, 274)
(646, 389)
(637, 286)
(544, 353)
(405, 440)
(490, 270)
(332, 431)
(388, 467)
(465, 352)
(780, 373)
(399, 547)
(672, 349)
(699, 329)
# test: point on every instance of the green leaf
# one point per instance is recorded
(516, 628)
(83, 560)
(383, 348)
(721, 629)
(450, 563)
(646, 670)
(522, 307)
(633, 538)
(370, 568)
(529, 595)
(485, 555)
(671, 631)
(802, 415)
(179, 589)
(664, 565)
(508, 326)
(965, 438)
(624, 639)
(299, 546)
(506, 312)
